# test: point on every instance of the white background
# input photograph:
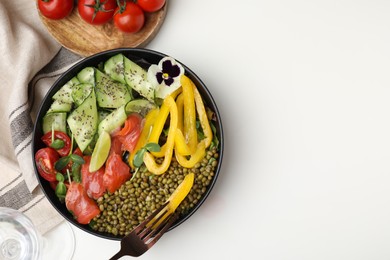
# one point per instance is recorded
(303, 88)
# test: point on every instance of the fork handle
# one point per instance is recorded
(117, 256)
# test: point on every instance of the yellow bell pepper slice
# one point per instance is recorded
(180, 116)
(204, 121)
(179, 194)
(159, 125)
(181, 146)
(150, 118)
(189, 124)
(149, 160)
(196, 157)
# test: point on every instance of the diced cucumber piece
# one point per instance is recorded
(113, 121)
(110, 93)
(59, 106)
(140, 106)
(87, 75)
(115, 68)
(81, 92)
(56, 121)
(83, 121)
(136, 78)
(64, 93)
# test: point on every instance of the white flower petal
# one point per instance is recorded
(152, 71)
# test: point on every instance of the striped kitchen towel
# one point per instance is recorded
(31, 60)
(18, 186)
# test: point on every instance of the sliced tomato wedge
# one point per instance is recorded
(92, 181)
(58, 135)
(83, 208)
(45, 159)
(117, 172)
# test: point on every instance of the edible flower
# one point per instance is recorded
(165, 76)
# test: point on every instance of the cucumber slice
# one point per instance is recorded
(109, 93)
(56, 121)
(59, 106)
(87, 75)
(81, 92)
(114, 67)
(64, 93)
(136, 78)
(83, 121)
(102, 114)
(140, 106)
(113, 121)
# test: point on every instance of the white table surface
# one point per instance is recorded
(303, 88)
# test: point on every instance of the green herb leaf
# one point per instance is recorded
(57, 144)
(77, 159)
(139, 158)
(76, 172)
(61, 163)
(60, 177)
(215, 141)
(61, 191)
(152, 147)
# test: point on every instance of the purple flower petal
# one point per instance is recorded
(168, 81)
(159, 77)
(175, 71)
(166, 66)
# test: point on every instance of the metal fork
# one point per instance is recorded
(146, 234)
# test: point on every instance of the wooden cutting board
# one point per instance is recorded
(85, 39)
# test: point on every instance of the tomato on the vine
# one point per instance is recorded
(96, 12)
(45, 159)
(129, 17)
(55, 9)
(151, 5)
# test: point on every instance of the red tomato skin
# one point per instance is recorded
(78, 152)
(117, 172)
(103, 15)
(55, 9)
(83, 208)
(64, 151)
(131, 20)
(44, 160)
(92, 181)
(151, 5)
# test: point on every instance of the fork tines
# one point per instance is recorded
(156, 225)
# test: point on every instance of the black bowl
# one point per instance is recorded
(144, 58)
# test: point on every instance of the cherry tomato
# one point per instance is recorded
(151, 5)
(65, 149)
(96, 12)
(130, 132)
(129, 18)
(78, 152)
(117, 172)
(92, 181)
(55, 9)
(45, 159)
(68, 167)
(84, 208)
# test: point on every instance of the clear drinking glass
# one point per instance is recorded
(18, 237)
(20, 240)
